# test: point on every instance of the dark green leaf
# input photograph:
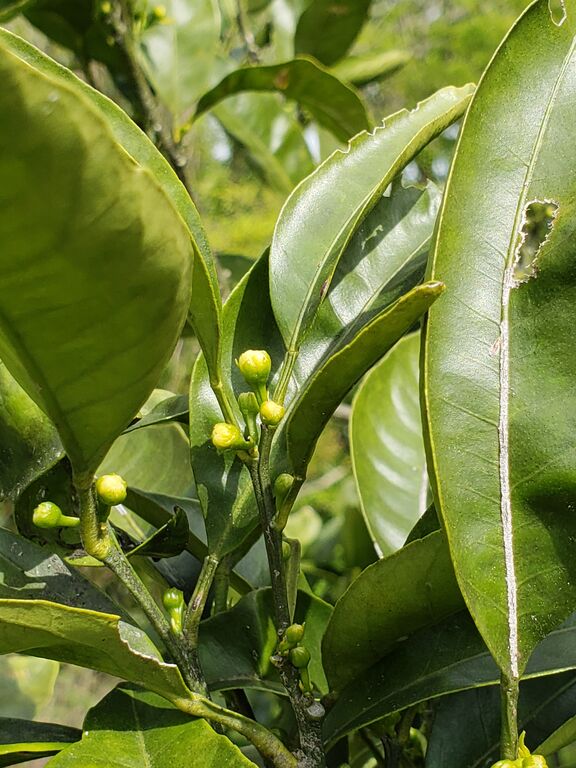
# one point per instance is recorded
(442, 659)
(139, 728)
(323, 213)
(169, 540)
(360, 70)
(333, 104)
(11, 8)
(29, 442)
(327, 29)
(89, 639)
(544, 706)
(325, 390)
(116, 288)
(387, 448)
(222, 481)
(28, 571)
(24, 740)
(411, 589)
(499, 350)
(235, 646)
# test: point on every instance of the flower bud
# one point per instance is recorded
(286, 550)
(173, 601)
(49, 515)
(255, 365)
(227, 437)
(294, 633)
(534, 761)
(271, 413)
(249, 408)
(300, 657)
(111, 489)
(159, 12)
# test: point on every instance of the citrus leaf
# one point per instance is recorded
(387, 448)
(143, 729)
(499, 360)
(27, 685)
(392, 598)
(332, 103)
(174, 408)
(361, 70)
(322, 214)
(89, 639)
(93, 254)
(339, 23)
(29, 442)
(24, 740)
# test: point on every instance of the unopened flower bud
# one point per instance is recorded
(111, 489)
(227, 437)
(49, 515)
(271, 413)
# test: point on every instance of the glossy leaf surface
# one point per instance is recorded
(235, 646)
(392, 598)
(173, 408)
(332, 103)
(223, 484)
(168, 541)
(339, 24)
(320, 217)
(24, 740)
(146, 731)
(499, 357)
(387, 448)
(436, 661)
(543, 707)
(118, 238)
(86, 638)
(29, 442)
(326, 389)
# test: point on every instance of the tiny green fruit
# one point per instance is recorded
(172, 598)
(49, 515)
(271, 413)
(300, 657)
(173, 601)
(255, 365)
(111, 489)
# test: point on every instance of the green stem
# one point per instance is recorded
(308, 714)
(269, 746)
(94, 533)
(223, 402)
(198, 601)
(509, 691)
(222, 585)
(285, 374)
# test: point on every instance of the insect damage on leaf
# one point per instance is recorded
(557, 11)
(537, 223)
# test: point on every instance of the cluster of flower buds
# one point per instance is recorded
(525, 758)
(255, 366)
(298, 654)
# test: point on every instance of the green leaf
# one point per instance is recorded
(392, 598)
(190, 33)
(385, 259)
(361, 70)
(222, 482)
(271, 134)
(544, 705)
(205, 304)
(23, 740)
(387, 448)
(28, 571)
(173, 408)
(11, 8)
(142, 729)
(327, 29)
(105, 255)
(29, 443)
(89, 639)
(562, 737)
(330, 102)
(322, 214)
(316, 402)
(436, 661)
(499, 362)
(169, 540)
(27, 685)
(231, 658)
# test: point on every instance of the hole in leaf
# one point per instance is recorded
(557, 11)
(539, 219)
